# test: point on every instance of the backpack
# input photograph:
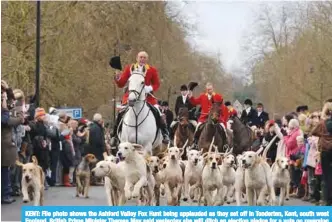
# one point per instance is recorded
(328, 124)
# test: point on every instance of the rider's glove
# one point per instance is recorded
(148, 89)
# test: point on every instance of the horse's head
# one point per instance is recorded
(215, 112)
(136, 86)
(184, 116)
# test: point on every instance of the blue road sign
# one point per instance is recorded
(73, 112)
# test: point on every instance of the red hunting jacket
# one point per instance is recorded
(151, 78)
(232, 111)
(206, 105)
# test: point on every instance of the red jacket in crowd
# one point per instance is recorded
(206, 105)
(151, 78)
(232, 111)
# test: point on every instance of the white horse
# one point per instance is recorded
(139, 124)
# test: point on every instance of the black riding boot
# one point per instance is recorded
(196, 137)
(197, 134)
(164, 130)
(114, 135)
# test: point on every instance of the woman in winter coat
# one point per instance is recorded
(39, 138)
(8, 149)
(310, 160)
(77, 145)
(287, 145)
(82, 133)
(67, 156)
(269, 135)
(324, 131)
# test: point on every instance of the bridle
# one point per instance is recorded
(138, 95)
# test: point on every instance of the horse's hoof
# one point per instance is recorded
(87, 197)
(287, 199)
(195, 201)
(228, 202)
(25, 201)
(185, 199)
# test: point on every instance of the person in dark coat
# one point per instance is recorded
(249, 114)
(262, 116)
(97, 143)
(168, 113)
(8, 149)
(82, 133)
(39, 134)
(67, 156)
(97, 138)
(183, 101)
(269, 135)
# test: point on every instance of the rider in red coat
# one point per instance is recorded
(205, 101)
(231, 110)
(152, 84)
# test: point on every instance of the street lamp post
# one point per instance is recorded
(37, 55)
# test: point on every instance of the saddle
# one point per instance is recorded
(220, 129)
(175, 126)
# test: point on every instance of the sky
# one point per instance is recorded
(222, 27)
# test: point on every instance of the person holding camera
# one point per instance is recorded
(8, 148)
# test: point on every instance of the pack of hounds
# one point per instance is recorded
(211, 178)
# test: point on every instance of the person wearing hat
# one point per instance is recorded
(152, 84)
(39, 136)
(249, 114)
(262, 116)
(168, 113)
(53, 117)
(302, 109)
(182, 100)
(8, 148)
(206, 100)
(269, 134)
(231, 110)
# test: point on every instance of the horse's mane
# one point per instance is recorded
(241, 124)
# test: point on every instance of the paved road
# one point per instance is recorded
(66, 197)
